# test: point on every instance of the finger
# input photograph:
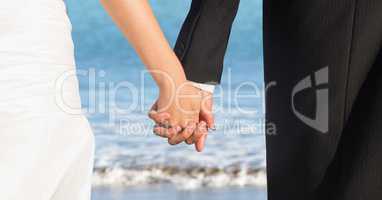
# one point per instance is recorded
(186, 133)
(209, 119)
(164, 132)
(206, 113)
(200, 144)
(190, 140)
(198, 133)
(159, 117)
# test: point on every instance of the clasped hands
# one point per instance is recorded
(183, 114)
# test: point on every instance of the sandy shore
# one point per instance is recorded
(170, 193)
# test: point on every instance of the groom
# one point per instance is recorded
(323, 73)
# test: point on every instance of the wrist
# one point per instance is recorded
(170, 84)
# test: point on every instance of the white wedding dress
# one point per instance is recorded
(46, 144)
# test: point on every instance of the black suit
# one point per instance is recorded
(203, 40)
(326, 58)
(333, 48)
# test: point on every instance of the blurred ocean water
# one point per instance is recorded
(117, 93)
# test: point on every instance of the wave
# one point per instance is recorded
(184, 178)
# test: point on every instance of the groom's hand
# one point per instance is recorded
(206, 121)
(176, 113)
(195, 133)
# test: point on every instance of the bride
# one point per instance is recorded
(46, 153)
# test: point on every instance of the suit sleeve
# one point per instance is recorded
(203, 39)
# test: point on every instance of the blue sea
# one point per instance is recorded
(117, 92)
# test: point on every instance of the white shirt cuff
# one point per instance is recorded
(205, 87)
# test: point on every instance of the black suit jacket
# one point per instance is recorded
(203, 39)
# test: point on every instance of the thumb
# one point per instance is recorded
(156, 116)
(154, 107)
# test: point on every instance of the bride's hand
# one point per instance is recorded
(177, 112)
(138, 23)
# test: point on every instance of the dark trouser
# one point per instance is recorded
(324, 54)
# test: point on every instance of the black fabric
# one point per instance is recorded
(203, 40)
(356, 171)
(301, 38)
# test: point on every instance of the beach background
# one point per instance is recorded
(130, 162)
